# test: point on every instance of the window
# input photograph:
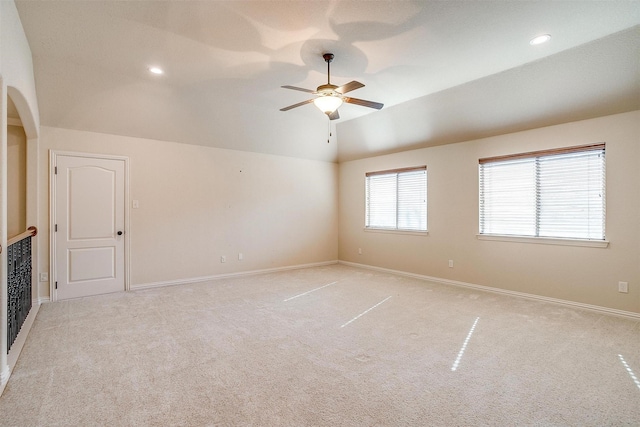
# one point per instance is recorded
(554, 194)
(397, 199)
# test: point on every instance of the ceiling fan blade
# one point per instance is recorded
(301, 89)
(334, 116)
(299, 104)
(349, 87)
(370, 104)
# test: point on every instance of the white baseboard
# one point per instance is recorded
(4, 378)
(600, 309)
(20, 340)
(227, 275)
(18, 345)
(42, 300)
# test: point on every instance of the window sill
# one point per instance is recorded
(390, 231)
(545, 240)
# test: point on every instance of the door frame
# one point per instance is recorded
(53, 157)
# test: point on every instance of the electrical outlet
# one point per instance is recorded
(359, 251)
(223, 259)
(450, 263)
(240, 256)
(623, 287)
(44, 277)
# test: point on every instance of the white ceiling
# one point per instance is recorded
(446, 71)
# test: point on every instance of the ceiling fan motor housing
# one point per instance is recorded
(328, 90)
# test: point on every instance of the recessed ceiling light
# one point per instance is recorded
(156, 70)
(540, 39)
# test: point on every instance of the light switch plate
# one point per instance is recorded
(623, 287)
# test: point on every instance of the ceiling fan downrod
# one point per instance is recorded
(328, 57)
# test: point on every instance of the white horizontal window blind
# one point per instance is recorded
(553, 194)
(397, 199)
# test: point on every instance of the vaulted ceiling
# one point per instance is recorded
(447, 71)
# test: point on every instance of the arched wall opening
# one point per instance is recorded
(19, 164)
(22, 132)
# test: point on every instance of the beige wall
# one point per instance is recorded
(198, 203)
(581, 274)
(16, 180)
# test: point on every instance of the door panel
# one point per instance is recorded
(89, 209)
(92, 264)
(91, 203)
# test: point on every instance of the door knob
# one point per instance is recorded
(119, 233)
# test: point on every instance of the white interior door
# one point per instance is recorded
(89, 226)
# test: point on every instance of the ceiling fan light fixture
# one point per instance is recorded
(330, 97)
(328, 103)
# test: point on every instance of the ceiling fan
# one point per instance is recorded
(330, 97)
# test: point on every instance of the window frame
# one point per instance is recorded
(569, 241)
(396, 230)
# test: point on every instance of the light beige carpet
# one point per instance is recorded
(296, 349)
